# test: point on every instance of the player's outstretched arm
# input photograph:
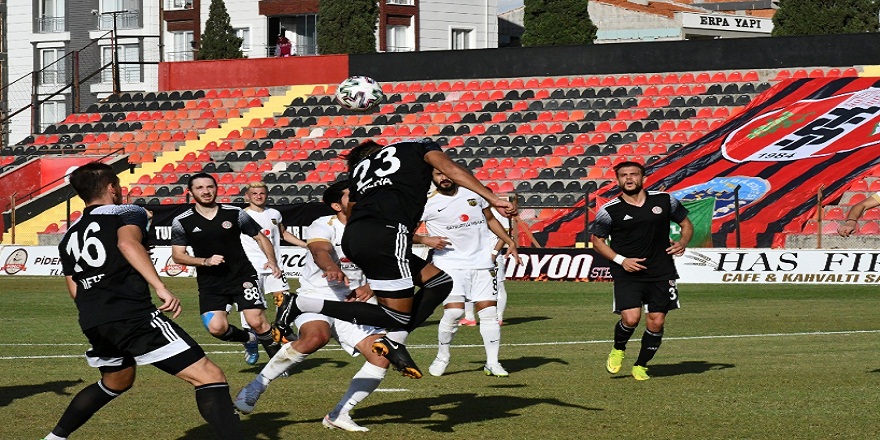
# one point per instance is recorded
(852, 217)
(269, 250)
(290, 238)
(321, 252)
(436, 243)
(130, 245)
(463, 177)
(498, 229)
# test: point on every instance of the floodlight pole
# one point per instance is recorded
(736, 212)
(114, 40)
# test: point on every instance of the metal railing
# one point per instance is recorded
(182, 55)
(400, 2)
(47, 25)
(124, 20)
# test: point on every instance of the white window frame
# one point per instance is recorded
(244, 33)
(56, 109)
(128, 73)
(462, 35)
(181, 46)
(54, 72)
(392, 43)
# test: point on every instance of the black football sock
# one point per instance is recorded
(369, 314)
(431, 295)
(650, 343)
(235, 334)
(622, 334)
(86, 403)
(216, 408)
(269, 343)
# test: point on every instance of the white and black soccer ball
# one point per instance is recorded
(359, 93)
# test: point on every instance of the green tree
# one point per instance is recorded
(347, 26)
(219, 41)
(557, 23)
(823, 17)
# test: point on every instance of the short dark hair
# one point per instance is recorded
(629, 163)
(189, 183)
(358, 153)
(90, 180)
(333, 193)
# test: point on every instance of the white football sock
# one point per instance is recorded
(398, 336)
(364, 382)
(491, 333)
(281, 362)
(446, 331)
(502, 300)
(469, 311)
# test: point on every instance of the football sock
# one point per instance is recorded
(622, 334)
(359, 312)
(85, 404)
(276, 366)
(469, 311)
(235, 334)
(650, 343)
(446, 330)
(490, 330)
(268, 343)
(431, 295)
(364, 382)
(215, 406)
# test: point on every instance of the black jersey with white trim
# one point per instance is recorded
(217, 236)
(108, 288)
(641, 232)
(392, 183)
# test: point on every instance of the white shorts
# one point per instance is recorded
(270, 284)
(472, 285)
(347, 334)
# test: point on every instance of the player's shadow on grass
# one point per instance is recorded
(306, 365)
(15, 392)
(686, 367)
(258, 426)
(511, 365)
(524, 319)
(454, 410)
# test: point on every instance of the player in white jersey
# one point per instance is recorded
(269, 220)
(327, 275)
(457, 220)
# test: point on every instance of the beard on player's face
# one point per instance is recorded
(631, 188)
(446, 186)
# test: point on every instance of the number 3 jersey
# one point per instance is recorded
(312, 281)
(108, 288)
(392, 183)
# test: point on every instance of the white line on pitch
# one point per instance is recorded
(432, 346)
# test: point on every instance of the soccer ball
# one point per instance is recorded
(359, 93)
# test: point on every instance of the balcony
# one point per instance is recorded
(48, 25)
(183, 55)
(401, 2)
(124, 20)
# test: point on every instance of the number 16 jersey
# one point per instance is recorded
(108, 288)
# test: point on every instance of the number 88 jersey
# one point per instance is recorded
(393, 183)
(108, 288)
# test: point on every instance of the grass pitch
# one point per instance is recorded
(737, 362)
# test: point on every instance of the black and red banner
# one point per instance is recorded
(794, 138)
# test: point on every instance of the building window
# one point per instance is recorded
(245, 35)
(182, 49)
(128, 73)
(52, 112)
(398, 39)
(51, 16)
(401, 2)
(461, 39)
(52, 67)
(173, 5)
(127, 14)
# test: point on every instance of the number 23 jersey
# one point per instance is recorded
(108, 288)
(392, 183)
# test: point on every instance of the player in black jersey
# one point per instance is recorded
(109, 274)
(388, 192)
(225, 275)
(644, 274)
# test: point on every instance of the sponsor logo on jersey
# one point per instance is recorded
(464, 218)
(809, 128)
(275, 221)
(226, 225)
(657, 210)
(627, 217)
(472, 202)
(247, 285)
(197, 229)
(173, 269)
(15, 262)
(722, 189)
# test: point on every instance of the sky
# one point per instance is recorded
(506, 5)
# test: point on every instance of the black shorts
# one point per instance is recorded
(244, 293)
(383, 251)
(153, 339)
(657, 296)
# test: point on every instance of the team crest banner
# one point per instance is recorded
(795, 138)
